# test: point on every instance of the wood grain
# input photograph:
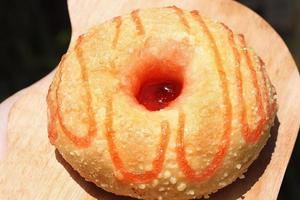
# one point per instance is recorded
(32, 169)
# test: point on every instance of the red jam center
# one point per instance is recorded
(158, 94)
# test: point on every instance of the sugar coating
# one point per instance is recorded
(181, 187)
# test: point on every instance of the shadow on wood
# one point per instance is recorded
(89, 187)
(241, 186)
(234, 191)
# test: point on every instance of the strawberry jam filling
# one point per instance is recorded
(157, 83)
(158, 94)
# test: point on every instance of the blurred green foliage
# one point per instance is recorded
(34, 34)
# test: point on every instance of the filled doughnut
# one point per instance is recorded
(160, 104)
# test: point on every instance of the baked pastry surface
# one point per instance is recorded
(187, 145)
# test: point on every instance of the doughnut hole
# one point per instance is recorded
(158, 84)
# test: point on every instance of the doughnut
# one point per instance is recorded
(161, 103)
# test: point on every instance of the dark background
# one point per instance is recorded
(35, 33)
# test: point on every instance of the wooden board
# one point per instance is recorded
(32, 169)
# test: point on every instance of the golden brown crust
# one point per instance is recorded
(198, 144)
